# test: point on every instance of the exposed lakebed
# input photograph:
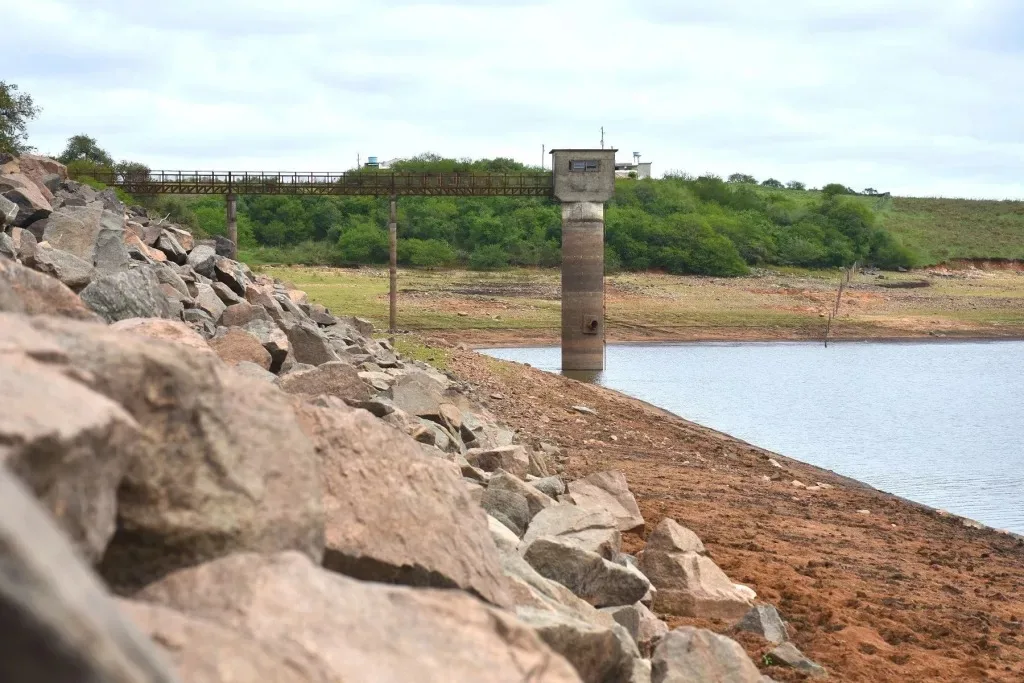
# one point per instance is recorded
(941, 423)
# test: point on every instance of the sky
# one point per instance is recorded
(914, 97)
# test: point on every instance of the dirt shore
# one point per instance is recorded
(876, 588)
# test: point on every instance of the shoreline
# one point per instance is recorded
(875, 586)
(851, 481)
(925, 339)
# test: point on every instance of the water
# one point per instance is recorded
(939, 423)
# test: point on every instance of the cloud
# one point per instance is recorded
(911, 96)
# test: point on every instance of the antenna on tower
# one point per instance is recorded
(602, 137)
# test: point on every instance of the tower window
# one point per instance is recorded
(584, 166)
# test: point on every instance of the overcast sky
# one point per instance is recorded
(921, 97)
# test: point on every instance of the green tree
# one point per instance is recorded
(833, 189)
(488, 257)
(773, 184)
(16, 110)
(85, 148)
(742, 179)
(796, 185)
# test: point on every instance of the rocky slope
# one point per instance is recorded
(208, 478)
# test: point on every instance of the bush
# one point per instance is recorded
(488, 257)
(425, 253)
(364, 243)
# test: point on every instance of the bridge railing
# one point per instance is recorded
(373, 183)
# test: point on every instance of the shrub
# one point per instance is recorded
(488, 257)
(425, 253)
(364, 243)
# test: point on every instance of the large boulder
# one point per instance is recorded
(171, 247)
(92, 233)
(593, 530)
(128, 294)
(691, 654)
(207, 300)
(360, 632)
(512, 459)
(70, 445)
(765, 621)
(513, 502)
(65, 266)
(41, 170)
(232, 274)
(308, 344)
(26, 195)
(203, 259)
(273, 339)
(596, 652)
(206, 652)
(395, 515)
(420, 394)
(332, 379)
(643, 625)
(222, 467)
(23, 290)
(671, 537)
(58, 624)
(586, 574)
(608, 491)
(692, 585)
(8, 211)
(242, 313)
(234, 345)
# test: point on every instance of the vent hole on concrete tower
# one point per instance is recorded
(590, 324)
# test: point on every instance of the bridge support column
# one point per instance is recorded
(393, 267)
(583, 336)
(584, 179)
(232, 223)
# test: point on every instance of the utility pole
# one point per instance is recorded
(393, 267)
(602, 137)
(543, 148)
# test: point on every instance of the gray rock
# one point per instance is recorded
(91, 233)
(8, 211)
(308, 345)
(504, 486)
(608, 491)
(7, 249)
(588, 575)
(595, 652)
(66, 267)
(224, 466)
(321, 316)
(24, 246)
(331, 379)
(207, 300)
(270, 335)
(377, 406)
(643, 626)
(508, 507)
(552, 487)
(167, 276)
(25, 194)
(539, 466)
(671, 537)
(254, 371)
(128, 294)
(59, 625)
(226, 295)
(788, 655)
(504, 538)
(224, 247)
(202, 259)
(764, 620)
(418, 393)
(231, 274)
(200, 321)
(690, 654)
(23, 290)
(357, 631)
(595, 531)
(242, 313)
(512, 459)
(169, 244)
(70, 445)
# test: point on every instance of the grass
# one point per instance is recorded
(943, 229)
(523, 304)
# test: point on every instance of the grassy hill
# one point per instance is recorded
(942, 229)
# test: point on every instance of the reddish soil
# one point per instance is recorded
(904, 593)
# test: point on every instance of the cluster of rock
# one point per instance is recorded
(205, 477)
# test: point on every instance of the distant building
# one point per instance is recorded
(633, 170)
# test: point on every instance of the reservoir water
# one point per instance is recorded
(941, 423)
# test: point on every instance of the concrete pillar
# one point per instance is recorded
(583, 180)
(232, 207)
(583, 286)
(393, 266)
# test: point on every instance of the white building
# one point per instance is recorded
(633, 170)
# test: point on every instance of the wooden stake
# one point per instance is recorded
(393, 269)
